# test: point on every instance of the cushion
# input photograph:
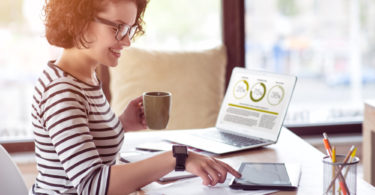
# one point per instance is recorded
(196, 80)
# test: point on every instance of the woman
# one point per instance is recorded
(77, 136)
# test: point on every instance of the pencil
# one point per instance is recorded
(333, 168)
(338, 173)
(328, 147)
(341, 183)
(350, 160)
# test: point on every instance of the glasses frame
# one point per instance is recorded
(129, 30)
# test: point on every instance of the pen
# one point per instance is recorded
(338, 172)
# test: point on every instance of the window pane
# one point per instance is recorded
(327, 44)
(23, 53)
(182, 24)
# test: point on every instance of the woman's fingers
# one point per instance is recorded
(216, 171)
(139, 102)
(133, 117)
(222, 172)
(229, 169)
(213, 174)
(211, 170)
(138, 99)
(204, 176)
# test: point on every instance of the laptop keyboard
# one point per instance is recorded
(230, 139)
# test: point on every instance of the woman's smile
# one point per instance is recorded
(115, 52)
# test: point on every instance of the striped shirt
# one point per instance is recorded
(77, 136)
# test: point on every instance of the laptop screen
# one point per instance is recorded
(256, 103)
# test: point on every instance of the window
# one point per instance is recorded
(327, 44)
(24, 51)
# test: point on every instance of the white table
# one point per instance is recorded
(289, 148)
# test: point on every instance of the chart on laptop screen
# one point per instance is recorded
(256, 102)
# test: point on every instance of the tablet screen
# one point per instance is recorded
(264, 176)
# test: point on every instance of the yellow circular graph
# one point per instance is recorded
(257, 92)
(276, 95)
(240, 89)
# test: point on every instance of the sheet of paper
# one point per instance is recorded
(163, 146)
(134, 156)
(195, 186)
(155, 146)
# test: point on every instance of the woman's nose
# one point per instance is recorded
(126, 41)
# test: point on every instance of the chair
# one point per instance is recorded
(11, 181)
(196, 80)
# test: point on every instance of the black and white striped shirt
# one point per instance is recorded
(77, 136)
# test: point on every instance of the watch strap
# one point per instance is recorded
(180, 152)
(180, 162)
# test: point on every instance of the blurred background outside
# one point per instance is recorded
(329, 45)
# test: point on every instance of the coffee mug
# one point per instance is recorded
(157, 106)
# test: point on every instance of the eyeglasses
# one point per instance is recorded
(121, 29)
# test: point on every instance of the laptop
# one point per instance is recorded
(251, 114)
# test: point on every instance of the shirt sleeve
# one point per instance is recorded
(65, 117)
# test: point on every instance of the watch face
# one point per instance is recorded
(180, 153)
(180, 149)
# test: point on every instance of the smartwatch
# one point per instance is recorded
(180, 152)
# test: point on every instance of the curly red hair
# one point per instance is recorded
(67, 20)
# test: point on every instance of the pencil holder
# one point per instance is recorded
(339, 177)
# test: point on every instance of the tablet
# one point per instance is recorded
(278, 176)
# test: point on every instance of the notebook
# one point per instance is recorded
(251, 114)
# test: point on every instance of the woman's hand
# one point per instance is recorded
(133, 117)
(209, 169)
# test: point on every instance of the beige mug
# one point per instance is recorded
(157, 106)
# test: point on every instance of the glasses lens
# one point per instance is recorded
(132, 31)
(124, 30)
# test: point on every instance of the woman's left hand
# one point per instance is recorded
(133, 117)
